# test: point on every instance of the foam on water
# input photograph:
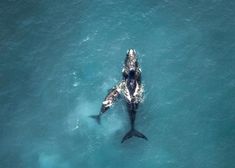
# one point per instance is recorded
(52, 161)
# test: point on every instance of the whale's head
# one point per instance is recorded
(131, 60)
(131, 54)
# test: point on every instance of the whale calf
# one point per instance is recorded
(131, 89)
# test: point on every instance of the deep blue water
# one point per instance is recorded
(58, 59)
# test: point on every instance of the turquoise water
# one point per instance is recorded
(58, 59)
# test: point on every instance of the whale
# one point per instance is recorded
(131, 88)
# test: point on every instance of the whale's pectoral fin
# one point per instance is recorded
(132, 133)
(96, 117)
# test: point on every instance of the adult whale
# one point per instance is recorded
(132, 90)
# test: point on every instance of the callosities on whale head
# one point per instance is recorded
(131, 60)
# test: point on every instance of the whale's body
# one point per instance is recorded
(132, 90)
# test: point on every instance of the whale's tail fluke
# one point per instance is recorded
(132, 133)
(96, 117)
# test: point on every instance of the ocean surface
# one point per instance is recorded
(59, 58)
